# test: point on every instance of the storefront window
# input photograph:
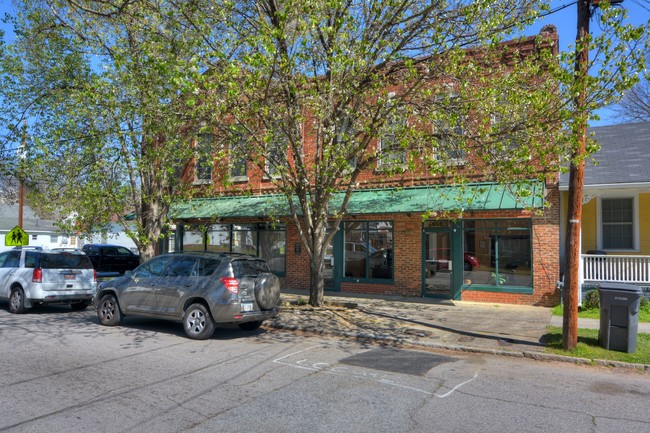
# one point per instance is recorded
(272, 248)
(261, 240)
(244, 239)
(219, 238)
(368, 250)
(193, 238)
(498, 252)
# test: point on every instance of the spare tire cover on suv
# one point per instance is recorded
(267, 291)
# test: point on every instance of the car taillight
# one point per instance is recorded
(37, 275)
(231, 284)
(94, 275)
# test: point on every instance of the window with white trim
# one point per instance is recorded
(276, 150)
(238, 160)
(391, 151)
(617, 223)
(450, 138)
(204, 159)
(449, 131)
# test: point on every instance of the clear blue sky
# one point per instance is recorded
(564, 20)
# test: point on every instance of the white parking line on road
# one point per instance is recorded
(324, 367)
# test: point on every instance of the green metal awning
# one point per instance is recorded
(469, 197)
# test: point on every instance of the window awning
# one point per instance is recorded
(469, 197)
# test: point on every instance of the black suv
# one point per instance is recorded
(199, 289)
(108, 258)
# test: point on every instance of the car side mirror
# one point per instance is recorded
(128, 274)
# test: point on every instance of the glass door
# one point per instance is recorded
(438, 264)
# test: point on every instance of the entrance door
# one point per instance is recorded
(438, 263)
(334, 263)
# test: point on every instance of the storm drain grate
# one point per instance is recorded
(397, 361)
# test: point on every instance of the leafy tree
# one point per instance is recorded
(107, 89)
(635, 104)
(115, 91)
(366, 81)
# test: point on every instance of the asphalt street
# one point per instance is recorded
(64, 372)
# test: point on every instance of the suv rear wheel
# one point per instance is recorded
(197, 322)
(17, 301)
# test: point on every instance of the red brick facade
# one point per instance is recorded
(407, 241)
(407, 231)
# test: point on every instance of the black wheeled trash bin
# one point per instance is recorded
(619, 316)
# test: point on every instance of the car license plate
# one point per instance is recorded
(247, 306)
(69, 277)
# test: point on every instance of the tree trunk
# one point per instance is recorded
(316, 282)
(151, 220)
(316, 265)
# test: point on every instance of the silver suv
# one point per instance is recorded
(199, 289)
(31, 277)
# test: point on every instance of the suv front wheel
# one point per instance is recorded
(197, 322)
(108, 311)
(17, 301)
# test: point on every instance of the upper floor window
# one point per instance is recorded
(448, 129)
(238, 160)
(346, 137)
(507, 135)
(617, 223)
(276, 151)
(391, 152)
(204, 158)
(450, 141)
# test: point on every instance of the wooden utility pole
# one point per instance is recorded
(576, 181)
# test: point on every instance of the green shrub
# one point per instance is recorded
(592, 300)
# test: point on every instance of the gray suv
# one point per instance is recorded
(30, 277)
(199, 289)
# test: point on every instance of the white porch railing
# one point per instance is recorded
(619, 269)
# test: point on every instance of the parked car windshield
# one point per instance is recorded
(246, 267)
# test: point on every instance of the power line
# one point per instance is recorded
(641, 5)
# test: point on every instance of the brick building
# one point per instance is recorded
(402, 234)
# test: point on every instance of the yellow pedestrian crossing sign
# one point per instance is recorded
(17, 237)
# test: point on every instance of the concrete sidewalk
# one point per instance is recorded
(503, 329)
(643, 327)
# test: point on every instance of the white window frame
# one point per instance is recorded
(450, 161)
(267, 163)
(197, 180)
(635, 222)
(400, 160)
(231, 160)
(445, 126)
(513, 144)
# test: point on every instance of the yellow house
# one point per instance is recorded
(615, 229)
